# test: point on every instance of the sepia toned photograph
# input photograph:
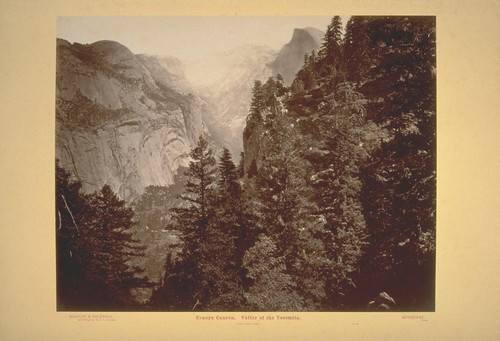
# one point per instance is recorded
(253, 164)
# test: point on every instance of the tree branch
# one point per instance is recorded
(71, 214)
(197, 302)
(60, 219)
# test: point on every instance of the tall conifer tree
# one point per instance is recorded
(400, 191)
(193, 221)
(94, 248)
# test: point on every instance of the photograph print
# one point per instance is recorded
(252, 164)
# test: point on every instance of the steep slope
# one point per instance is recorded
(118, 119)
(291, 56)
(288, 62)
(226, 81)
(130, 121)
(167, 71)
(366, 124)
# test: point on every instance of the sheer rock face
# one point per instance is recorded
(227, 79)
(166, 70)
(291, 56)
(131, 120)
(118, 121)
(287, 63)
(252, 138)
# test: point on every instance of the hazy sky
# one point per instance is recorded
(186, 37)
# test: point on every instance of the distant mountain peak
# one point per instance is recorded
(306, 32)
(316, 33)
(291, 56)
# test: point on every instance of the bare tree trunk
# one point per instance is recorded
(71, 214)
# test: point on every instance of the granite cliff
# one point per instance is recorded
(291, 56)
(226, 81)
(130, 121)
(119, 119)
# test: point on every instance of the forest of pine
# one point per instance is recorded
(331, 206)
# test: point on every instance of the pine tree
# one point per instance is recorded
(228, 175)
(201, 178)
(207, 274)
(193, 221)
(94, 247)
(70, 208)
(358, 58)
(169, 295)
(229, 219)
(112, 247)
(333, 38)
(365, 200)
(285, 212)
(399, 194)
(330, 53)
(280, 85)
(272, 289)
(228, 237)
(307, 76)
(258, 99)
(341, 141)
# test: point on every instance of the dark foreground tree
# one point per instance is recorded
(400, 184)
(346, 141)
(205, 276)
(112, 247)
(94, 247)
(338, 188)
(273, 289)
(74, 289)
